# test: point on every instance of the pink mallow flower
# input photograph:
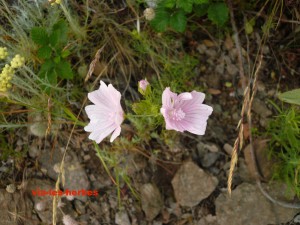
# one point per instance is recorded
(106, 115)
(143, 84)
(185, 112)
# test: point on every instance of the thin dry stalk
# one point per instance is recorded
(237, 45)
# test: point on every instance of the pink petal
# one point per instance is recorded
(168, 97)
(99, 135)
(184, 96)
(97, 111)
(106, 115)
(115, 134)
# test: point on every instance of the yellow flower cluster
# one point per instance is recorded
(17, 62)
(9, 70)
(3, 52)
(5, 77)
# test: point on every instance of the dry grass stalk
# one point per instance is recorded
(239, 142)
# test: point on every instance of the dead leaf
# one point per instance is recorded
(228, 42)
(214, 91)
(208, 43)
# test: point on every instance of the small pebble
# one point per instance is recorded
(11, 188)
(228, 148)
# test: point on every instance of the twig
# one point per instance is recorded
(237, 45)
(260, 14)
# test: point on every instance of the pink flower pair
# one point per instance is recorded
(183, 112)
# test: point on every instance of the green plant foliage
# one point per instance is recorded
(284, 146)
(186, 5)
(218, 13)
(178, 21)
(51, 53)
(177, 73)
(173, 13)
(161, 20)
(147, 116)
(292, 97)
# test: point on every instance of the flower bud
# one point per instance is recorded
(149, 14)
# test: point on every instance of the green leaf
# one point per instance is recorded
(186, 5)
(39, 35)
(198, 2)
(292, 97)
(161, 20)
(44, 52)
(249, 26)
(47, 72)
(167, 3)
(218, 13)
(200, 10)
(65, 53)
(46, 66)
(54, 38)
(57, 59)
(59, 34)
(52, 77)
(64, 70)
(178, 21)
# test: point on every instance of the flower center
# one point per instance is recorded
(177, 114)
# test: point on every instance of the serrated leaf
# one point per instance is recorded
(178, 21)
(54, 38)
(200, 10)
(39, 35)
(186, 5)
(47, 72)
(59, 33)
(201, 2)
(44, 52)
(52, 77)
(64, 70)
(218, 13)
(161, 20)
(292, 97)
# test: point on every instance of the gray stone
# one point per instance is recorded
(122, 218)
(48, 159)
(232, 69)
(151, 199)
(37, 185)
(33, 151)
(220, 68)
(80, 207)
(191, 184)
(247, 205)
(260, 108)
(75, 176)
(228, 148)
(209, 159)
(208, 220)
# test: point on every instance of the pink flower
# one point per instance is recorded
(106, 115)
(143, 84)
(185, 112)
